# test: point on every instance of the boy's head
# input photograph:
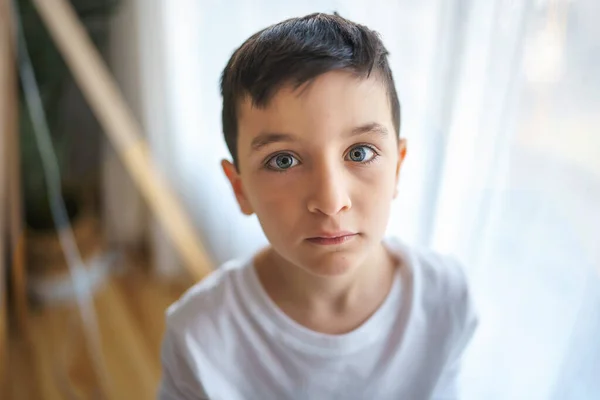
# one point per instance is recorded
(311, 117)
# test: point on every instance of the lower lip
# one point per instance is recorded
(331, 241)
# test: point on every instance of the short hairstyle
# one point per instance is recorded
(296, 51)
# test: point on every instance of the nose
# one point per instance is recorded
(329, 194)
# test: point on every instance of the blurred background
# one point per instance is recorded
(501, 110)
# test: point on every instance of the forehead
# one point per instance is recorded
(327, 106)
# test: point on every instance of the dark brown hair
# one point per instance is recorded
(296, 51)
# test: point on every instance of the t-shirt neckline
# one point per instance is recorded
(280, 326)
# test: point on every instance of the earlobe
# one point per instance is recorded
(235, 180)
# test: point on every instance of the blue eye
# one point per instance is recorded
(361, 154)
(282, 162)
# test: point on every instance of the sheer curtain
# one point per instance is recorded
(500, 108)
(520, 197)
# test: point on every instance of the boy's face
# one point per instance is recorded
(319, 166)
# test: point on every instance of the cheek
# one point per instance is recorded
(274, 197)
(374, 182)
(373, 195)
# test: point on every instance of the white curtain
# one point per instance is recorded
(520, 196)
(500, 108)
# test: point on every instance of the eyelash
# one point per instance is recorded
(271, 158)
(370, 147)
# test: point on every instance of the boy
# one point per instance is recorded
(331, 309)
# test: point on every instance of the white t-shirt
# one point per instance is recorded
(227, 340)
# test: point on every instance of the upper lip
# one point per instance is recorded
(332, 235)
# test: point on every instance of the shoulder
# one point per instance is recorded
(440, 274)
(440, 290)
(442, 279)
(207, 302)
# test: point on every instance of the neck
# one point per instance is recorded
(288, 284)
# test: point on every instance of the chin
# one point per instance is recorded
(331, 264)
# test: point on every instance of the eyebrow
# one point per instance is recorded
(267, 138)
(372, 127)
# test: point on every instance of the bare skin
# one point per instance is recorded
(320, 166)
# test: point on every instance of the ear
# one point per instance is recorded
(401, 156)
(236, 184)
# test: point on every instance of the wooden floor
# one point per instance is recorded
(53, 362)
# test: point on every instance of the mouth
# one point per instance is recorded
(328, 239)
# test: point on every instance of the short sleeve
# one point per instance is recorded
(447, 387)
(178, 381)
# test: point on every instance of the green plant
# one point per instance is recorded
(52, 76)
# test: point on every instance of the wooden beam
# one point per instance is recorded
(6, 82)
(16, 223)
(103, 95)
